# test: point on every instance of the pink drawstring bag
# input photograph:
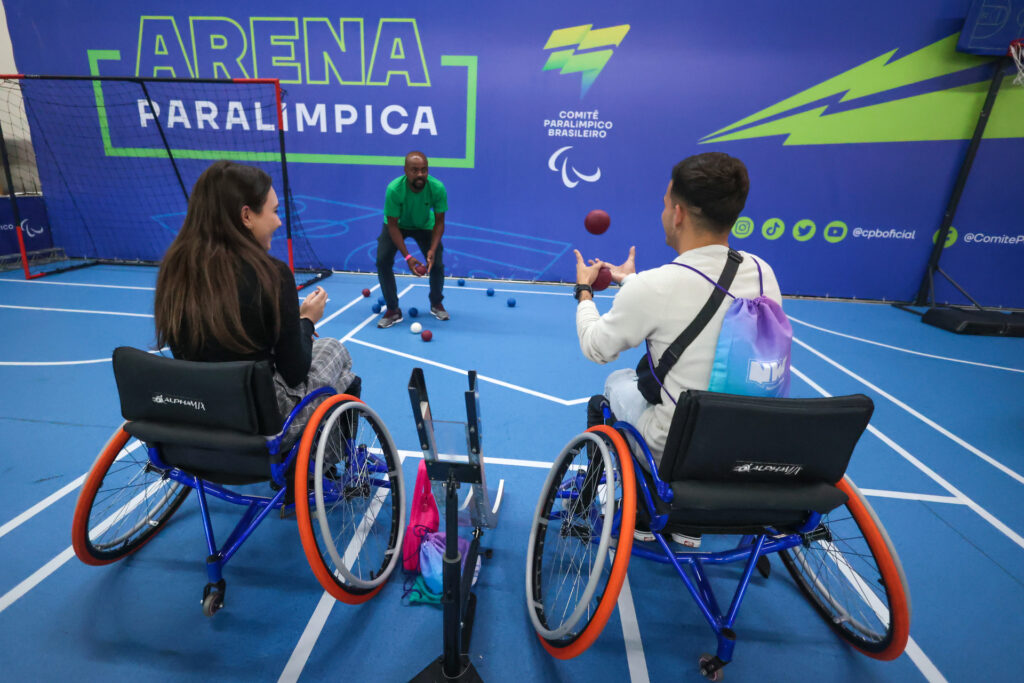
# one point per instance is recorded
(423, 519)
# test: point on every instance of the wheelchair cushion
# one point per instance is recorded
(217, 455)
(236, 395)
(715, 495)
(745, 439)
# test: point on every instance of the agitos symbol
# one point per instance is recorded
(574, 60)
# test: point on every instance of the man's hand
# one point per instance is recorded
(619, 273)
(430, 260)
(312, 306)
(585, 275)
(412, 262)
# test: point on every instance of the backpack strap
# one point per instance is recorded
(697, 325)
(760, 275)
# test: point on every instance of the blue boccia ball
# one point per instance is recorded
(375, 308)
(511, 302)
(490, 292)
(381, 301)
(413, 312)
(462, 283)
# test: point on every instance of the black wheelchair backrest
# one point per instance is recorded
(236, 395)
(724, 437)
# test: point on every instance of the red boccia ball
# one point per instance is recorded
(426, 335)
(604, 278)
(597, 221)
(366, 292)
(420, 269)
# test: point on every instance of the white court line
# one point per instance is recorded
(349, 305)
(75, 284)
(307, 641)
(57, 562)
(41, 505)
(77, 310)
(929, 472)
(631, 634)
(923, 663)
(922, 497)
(524, 291)
(54, 362)
(54, 497)
(913, 650)
(931, 423)
(40, 363)
(901, 349)
(37, 577)
(482, 378)
(304, 648)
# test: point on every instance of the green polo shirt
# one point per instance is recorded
(415, 210)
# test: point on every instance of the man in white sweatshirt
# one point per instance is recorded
(704, 198)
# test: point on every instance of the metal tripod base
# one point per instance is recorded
(434, 673)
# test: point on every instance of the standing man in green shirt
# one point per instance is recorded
(414, 206)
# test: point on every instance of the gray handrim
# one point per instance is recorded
(602, 549)
(379, 496)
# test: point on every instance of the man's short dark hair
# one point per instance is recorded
(715, 183)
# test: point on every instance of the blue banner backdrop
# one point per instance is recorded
(853, 120)
(34, 225)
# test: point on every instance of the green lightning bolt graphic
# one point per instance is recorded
(943, 115)
(576, 38)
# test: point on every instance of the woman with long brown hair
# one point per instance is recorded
(220, 295)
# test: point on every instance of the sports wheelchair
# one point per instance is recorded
(211, 426)
(769, 470)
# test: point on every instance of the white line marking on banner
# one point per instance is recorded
(902, 350)
(931, 423)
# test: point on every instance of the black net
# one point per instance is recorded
(116, 158)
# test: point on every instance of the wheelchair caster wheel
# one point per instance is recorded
(213, 597)
(711, 667)
(212, 603)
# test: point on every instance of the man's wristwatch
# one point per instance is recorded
(582, 288)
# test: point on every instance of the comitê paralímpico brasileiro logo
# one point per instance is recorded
(575, 51)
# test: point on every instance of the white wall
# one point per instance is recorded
(12, 118)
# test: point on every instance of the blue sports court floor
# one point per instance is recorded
(942, 464)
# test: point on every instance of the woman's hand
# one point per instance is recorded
(312, 306)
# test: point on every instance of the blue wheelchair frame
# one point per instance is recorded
(750, 549)
(258, 506)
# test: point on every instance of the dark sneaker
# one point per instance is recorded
(390, 317)
(439, 312)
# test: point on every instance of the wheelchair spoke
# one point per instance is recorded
(570, 550)
(356, 503)
(843, 573)
(124, 501)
